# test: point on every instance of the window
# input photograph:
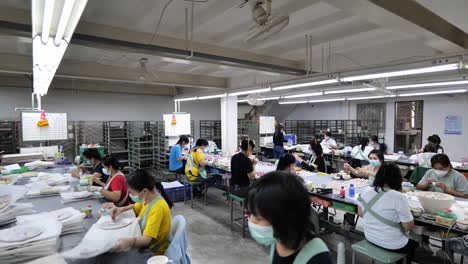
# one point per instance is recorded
(373, 117)
(408, 126)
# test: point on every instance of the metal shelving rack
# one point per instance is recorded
(248, 127)
(116, 141)
(140, 145)
(161, 159)
(8, 137)
(211, 130)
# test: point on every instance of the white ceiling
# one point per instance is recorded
(351, 33)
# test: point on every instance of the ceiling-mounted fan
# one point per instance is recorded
(144, 74)
(266, 24)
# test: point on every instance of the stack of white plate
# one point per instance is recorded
(10, 210)
(70, 218)
(69, 197)
(42, 189)
(51, 179)
(29, 240)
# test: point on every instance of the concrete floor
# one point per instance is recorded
(211, 240)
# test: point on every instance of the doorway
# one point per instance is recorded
(408, 126)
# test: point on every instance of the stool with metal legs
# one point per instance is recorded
(242, 201)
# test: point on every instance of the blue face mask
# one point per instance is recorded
(262, 234)
(105, 171)
(375, 163)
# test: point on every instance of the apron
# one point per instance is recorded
(424, 159)
(121, 202)
(142, 220)
(191, 163)
(311, 249)
(448, 180)
(368, 209)
(312, 163)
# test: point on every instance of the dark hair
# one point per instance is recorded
(183, 139)
(317, 137)
(284, 202)
(316, 148)
(142, 179)
(434, 139)
(92, 153)
(364, 142)
(286, 160)
(328, 134)
(389, 175)
(246, 144)
(374, 138)
(278, 128)
(113, 162)
(430, 148)
(379, 154)
(442, 159)
(201, 142)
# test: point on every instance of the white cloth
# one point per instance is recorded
(356, 152)
(98, 241)
(393, 206)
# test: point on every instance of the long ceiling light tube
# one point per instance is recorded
(211, 96)
(350, 91)
(185, 99)
(47, 20)
(64, 20)
(439, 68)
(263, 90)
(303, 95)
(306, 84)
(293, 102)
(431, 84)
(327, 100)
(370, 97)
(433, 93)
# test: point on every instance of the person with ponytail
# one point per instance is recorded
(115, 189)
(153, 208)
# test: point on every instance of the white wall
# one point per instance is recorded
(435, 109)
(99, 106)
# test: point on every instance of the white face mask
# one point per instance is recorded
(441, 173)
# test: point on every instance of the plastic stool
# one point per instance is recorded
(232, 198)
(376, 253)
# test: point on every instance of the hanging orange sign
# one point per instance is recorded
(174, 121)
(43, 122)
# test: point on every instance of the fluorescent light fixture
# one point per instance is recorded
(174, 60)
(433, 84)
(370, 97)
(303, 95)
(47, 20)
(185, 99)
(327, 100)
(263, 90)
(211, 96)
(434, 93)
(350, 91)
(269, 98)
(64, 18)
(299, 85)
(294, 102)
(242, 101)
(446, 67)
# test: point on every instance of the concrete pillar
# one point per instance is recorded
(229, 124)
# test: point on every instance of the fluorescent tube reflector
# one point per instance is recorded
(299, 85)
(418, 85)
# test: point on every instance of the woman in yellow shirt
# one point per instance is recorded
(195, 166)
(152, 206)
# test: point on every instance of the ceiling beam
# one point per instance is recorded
(97, 72)
(15, 21)
(423, 17)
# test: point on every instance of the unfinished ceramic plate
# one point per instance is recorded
(115, 224)
(29, 174)
(5, 201)
(63, 215)
(20, 233)
(78, 195)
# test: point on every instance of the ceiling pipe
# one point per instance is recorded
(107, 43)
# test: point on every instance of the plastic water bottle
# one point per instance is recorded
(351, 191)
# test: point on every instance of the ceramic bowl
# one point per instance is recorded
(433, 202)
(158, 260)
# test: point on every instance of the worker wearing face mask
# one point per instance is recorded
(443, 178)
(376, 159)
(287, 163)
